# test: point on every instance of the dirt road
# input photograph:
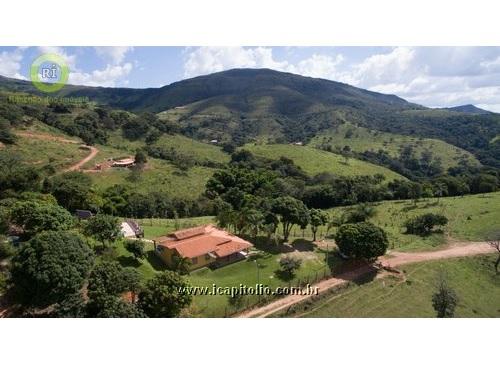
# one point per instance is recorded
(48, 137)
(81, 163)
(393, 259)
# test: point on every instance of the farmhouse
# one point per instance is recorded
(203, 246)
(130, 228)
(123, 163)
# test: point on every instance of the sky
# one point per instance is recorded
(431, 76)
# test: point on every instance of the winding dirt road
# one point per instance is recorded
(47, 137)
(81, 163)
(392, 260)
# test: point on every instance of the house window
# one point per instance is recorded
(194, 260)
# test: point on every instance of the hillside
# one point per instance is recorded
(469, 108)
(361, 139)
(314, 161)
(244, 105)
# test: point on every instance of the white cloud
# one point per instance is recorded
(206, 60)
(108, 77)
(69, 59)
(115, 55)
(319, 66)
(10, 63)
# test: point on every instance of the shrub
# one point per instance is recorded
(423, 225)
(289, 265)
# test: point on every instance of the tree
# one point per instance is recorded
(107, 283)
(290, 211)
(181, 264)
(289, 265)
(444, 300)
(104, 228)
(35, 216)
(73, 306)
(73, 190)
(362, 212)
(164, 296)
(51, 267)
(317, 218)
(424, 224)
(140, 157)
(114, 307)
(136, 248)
(494, 242)
(362, 241)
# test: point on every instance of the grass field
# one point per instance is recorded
(47, 152)
(314, 161)
(471, 218)
(363, 139)
(159, 175)
(473, 279)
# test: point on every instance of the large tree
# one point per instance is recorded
(51, 267)
(317, 218)
(362, 241)
(290, 211)
(104, 228)
(107, 284)
(164, 296)
(35, 216)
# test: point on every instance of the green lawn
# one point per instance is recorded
(314, 161)
(263, 266)
(363, 139)
(473, 279)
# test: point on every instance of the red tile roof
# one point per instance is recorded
(205, 239)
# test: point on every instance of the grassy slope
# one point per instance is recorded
(473, 279)
(159, 175)
(481, 209)
(314, 161)
(40, 153)
(364, 139)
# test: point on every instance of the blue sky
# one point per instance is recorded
(432, 76)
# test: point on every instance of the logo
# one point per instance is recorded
(49, 72)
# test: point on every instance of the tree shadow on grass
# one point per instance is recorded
(155, 261)
(301, 244)
(356, 271)
(128, 261)
(283, 275)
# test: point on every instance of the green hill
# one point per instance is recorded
(314, 161)
(361, 139)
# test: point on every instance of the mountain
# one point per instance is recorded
(237, 89)
(469, 108)
(246, 105)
